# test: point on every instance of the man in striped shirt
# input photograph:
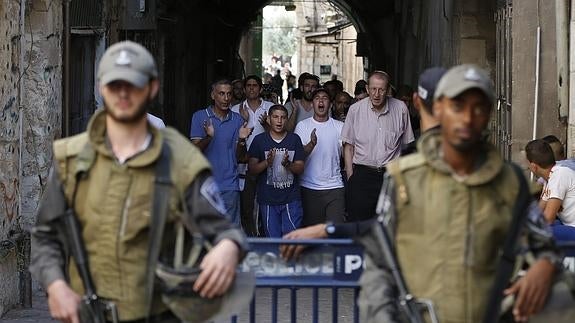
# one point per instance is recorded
(374, 131)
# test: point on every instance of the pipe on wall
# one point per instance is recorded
(571, 123)
(562, 43)
(21, 71)
(66, 70)
(536, 99)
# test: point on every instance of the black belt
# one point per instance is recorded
(380, 169)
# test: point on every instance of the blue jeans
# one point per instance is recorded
(564, 233)
(232, 204)
(281, 219)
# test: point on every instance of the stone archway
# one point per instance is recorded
(197, 42)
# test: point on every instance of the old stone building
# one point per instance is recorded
(327, 44)
(30, 118)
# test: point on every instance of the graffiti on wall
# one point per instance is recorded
(9, 199)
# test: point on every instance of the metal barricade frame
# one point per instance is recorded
(332, 264)
(326, 264)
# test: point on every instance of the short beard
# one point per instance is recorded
(464, 147)
(467, 146)
(256, 97)
(135, 118)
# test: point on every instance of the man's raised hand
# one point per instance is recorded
(244, 131)
(313, 137)
(209, 127)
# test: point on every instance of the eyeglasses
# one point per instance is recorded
(377, 90)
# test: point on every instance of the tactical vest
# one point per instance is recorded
(449, 232)
(113, 204)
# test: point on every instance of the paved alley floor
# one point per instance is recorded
(37, 314)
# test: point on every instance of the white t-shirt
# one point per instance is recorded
(253, 122)
(155, 121)
(322, 168)
(561, 186)
(302, 113)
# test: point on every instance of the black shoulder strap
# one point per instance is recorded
(162, 186)
(507, 262)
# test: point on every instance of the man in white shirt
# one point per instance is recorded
(558, 197)
(254, 110)
(323, 195)
(301, 109)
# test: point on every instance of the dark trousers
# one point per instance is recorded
(320, 206)
(248, 211)
(362, 192)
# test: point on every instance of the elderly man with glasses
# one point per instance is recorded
(374, 131)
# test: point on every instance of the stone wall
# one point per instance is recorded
(475, 32)
(351, 66)
(524, 31)
(336, 50)
(30, 110)
(10, 45)
(317, 51)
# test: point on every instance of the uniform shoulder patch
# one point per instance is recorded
(405, 163)
(71, 146)
(211, 192)
(397, 168)
(411, 161)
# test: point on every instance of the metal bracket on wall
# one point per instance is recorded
(139, 15)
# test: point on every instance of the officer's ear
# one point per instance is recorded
(416, 102)
(154, 88)
(438, 106)
(101, 88)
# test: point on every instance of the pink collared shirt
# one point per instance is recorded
(377, 136)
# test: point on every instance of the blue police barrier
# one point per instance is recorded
(326, 264)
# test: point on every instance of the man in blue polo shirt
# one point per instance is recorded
(221, 135)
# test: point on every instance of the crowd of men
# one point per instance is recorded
(316, 158)
(322, 165)
(347, 143)
(325, 180)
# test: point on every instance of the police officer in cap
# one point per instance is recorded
(451, 211)
(113, 199)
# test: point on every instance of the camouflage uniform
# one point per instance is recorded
(448, 232)
(113, 204)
